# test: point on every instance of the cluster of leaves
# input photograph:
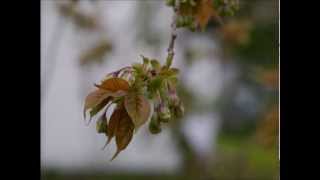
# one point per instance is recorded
(197, 13)
(141, 92)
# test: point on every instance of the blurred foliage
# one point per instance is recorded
(70, 10)
(248, 140)
(236, 32)
(268, 78)
(251, 40)
(262, 49)
(250, 150)
(240, 158)
(193, 14)
(268, 129)
(96, 53)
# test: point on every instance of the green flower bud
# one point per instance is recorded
(173, 98)
(164, 113)
(101, 125)
(155, 65)
(154, 125)
(179, 110)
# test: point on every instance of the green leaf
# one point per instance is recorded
(138, 108)
(145, 60)
(155, 65)
(173, 81)
(137, 68)
(172, 72)
(169, 60)
(155, 84)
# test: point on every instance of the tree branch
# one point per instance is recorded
(173, 36)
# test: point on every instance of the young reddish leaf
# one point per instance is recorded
(114, 84)
(98, 99)
(99, 106)
(138, 108)
(93, 99)
(123, 133)
(113, 123)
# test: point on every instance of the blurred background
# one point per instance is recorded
(228, 84)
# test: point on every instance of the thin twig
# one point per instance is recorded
(173, 36)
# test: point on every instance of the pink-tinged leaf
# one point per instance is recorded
(97, 99)
(94, 98)
(138, 108)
